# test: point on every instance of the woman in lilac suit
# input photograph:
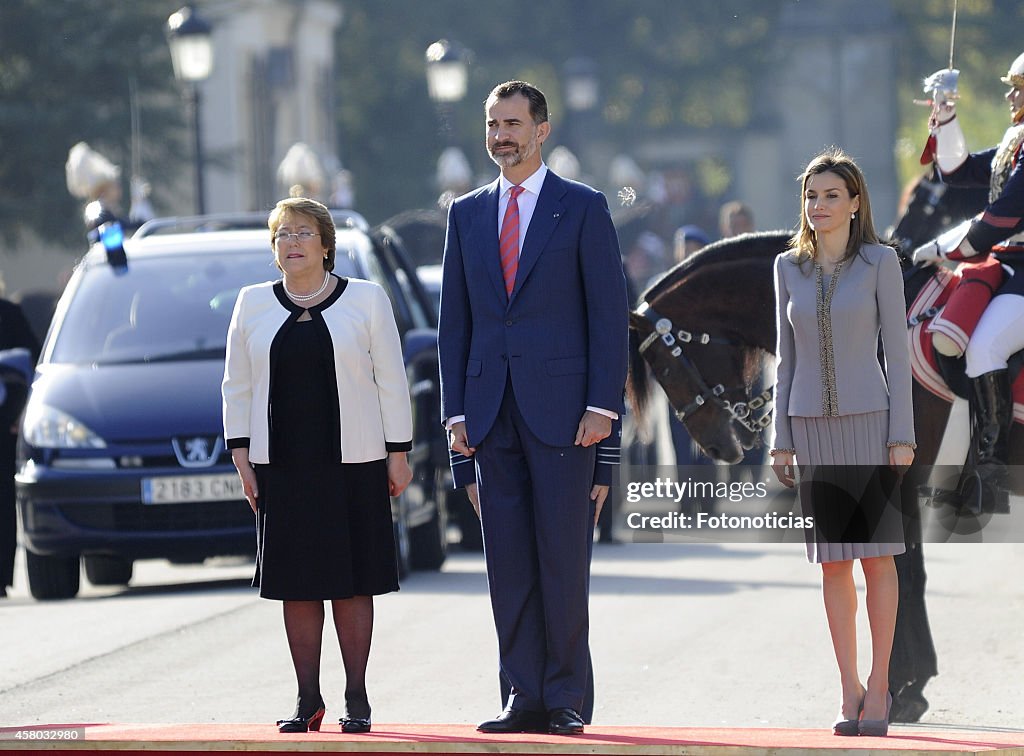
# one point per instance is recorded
(849, 424)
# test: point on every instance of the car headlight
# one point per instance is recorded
(48, 428)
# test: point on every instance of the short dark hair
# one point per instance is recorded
(733, 208)
(538, 102)
(313, 210)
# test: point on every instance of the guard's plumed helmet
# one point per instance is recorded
(1015, 76)
(88, 172)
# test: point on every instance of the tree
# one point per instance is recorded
(668, 69)
(665, 67)
(64, 77)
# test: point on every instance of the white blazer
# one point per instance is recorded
(373, 393)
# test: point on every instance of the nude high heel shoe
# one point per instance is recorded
(848, 727)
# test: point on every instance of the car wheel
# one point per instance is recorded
(429, 541)
(108, 570)
(52, 577)
(400, 523)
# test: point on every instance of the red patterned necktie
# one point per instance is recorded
(508, 241)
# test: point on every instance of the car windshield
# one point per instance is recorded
(159, 309)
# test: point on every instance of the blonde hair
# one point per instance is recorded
(804, 244)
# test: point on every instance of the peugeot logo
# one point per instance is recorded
(197, 451)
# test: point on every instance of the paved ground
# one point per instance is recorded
(682, 635)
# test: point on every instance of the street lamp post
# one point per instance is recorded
(582, 85)
(582, 92)
(188, 36)
(447, 78)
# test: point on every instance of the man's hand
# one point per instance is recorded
(459, 441)
(594, 427)
(598, 494)
(474, 498)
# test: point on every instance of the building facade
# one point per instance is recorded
(272, 85)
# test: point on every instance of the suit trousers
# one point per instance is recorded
(538, 529)
(586, 711)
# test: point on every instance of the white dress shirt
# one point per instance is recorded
(527, 200)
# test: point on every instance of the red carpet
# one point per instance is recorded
(464, 739)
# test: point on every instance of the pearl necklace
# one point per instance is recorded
(307, 297)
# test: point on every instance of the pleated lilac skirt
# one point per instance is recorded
(848, 487)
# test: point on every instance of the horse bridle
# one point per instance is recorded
(673, 338)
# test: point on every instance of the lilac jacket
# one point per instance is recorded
(828, 362)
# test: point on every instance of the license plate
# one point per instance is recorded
(180, 489)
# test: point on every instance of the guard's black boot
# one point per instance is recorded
(993, 415)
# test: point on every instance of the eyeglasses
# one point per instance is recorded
(302, 236)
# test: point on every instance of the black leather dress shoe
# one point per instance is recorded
(515, 720)
(564, 722)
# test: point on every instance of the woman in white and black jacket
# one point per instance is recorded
(318, 420)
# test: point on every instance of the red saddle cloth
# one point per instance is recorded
(931, 304)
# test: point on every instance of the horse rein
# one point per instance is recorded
(741, 412)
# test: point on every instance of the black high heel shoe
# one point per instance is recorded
(354, 725)
(877, 728)
(355, 700)
(303, 724)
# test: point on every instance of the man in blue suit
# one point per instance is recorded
(532, 342)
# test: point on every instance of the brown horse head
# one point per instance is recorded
(703, 330)
(929, 207)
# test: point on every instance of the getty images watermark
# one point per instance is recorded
(690, 491)
(837, 503)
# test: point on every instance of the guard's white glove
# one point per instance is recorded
(928, 253)
(947, 245)
(941, 86)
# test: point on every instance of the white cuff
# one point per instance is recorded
(950, 146)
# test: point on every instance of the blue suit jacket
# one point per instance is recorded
(562, 335)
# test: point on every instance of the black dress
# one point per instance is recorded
(323, 526)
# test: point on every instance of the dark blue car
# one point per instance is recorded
(122, 455)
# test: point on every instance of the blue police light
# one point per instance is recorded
(112, 238)
(112, 235)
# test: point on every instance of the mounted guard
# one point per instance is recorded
(993, 331)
